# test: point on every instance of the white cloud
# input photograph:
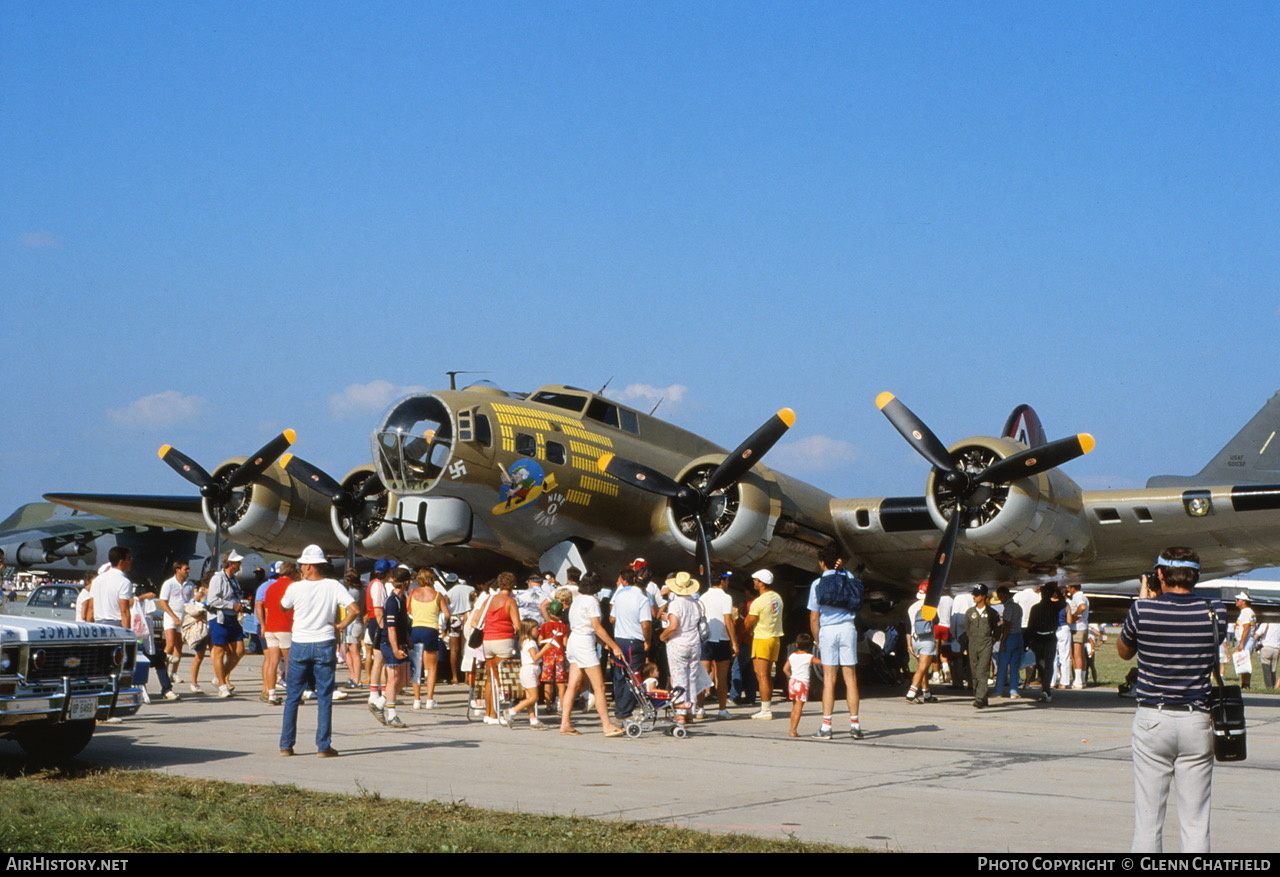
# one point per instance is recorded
(816, 453)
(169, 408)
(644, 396)
(370, 398)
(38, 240)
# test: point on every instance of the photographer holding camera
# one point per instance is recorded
(1173, 638)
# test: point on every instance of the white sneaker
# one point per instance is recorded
(491, 720)
(308, 695)
(339, 694)
(723, 714)
(224, 691)
(171, 695)
(763, 714)
(700, 713)
(417, 705)
(431, 705)
(196, 689)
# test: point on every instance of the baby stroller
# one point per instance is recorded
(655, 706)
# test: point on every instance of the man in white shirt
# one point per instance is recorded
(1078, 624)
(313, 657)
(631, 613)
(1246, 626)
(721, 645)
(113, 591)
(171, 603)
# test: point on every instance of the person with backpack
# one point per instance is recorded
(834, 600)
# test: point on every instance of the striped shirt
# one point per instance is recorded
(1175, 645)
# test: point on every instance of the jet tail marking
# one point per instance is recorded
(1251, 457)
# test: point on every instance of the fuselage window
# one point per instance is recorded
(555, 453)
(526, 445)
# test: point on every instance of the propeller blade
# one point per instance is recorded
(915, 432)
(941, 566)
(1036, 460)
(185, 466)
(317, 478)
(259, 462)
(749, 452)
(640, 476)
(704, 549)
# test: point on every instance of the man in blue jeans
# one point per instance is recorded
(313, 658)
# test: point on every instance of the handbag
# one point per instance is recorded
(476, 639)
(1226, 711)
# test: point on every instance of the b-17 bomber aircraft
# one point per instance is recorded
(478, 479)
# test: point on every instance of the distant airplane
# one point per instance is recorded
(480, 479)
(67, 543)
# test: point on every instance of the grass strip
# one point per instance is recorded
(76, 810)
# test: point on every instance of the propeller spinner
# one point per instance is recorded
(220, 491)
(965, 485)
(699, 499)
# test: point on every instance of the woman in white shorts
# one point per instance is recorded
(585, 630)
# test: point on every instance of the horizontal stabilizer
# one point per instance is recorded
(1251, 457)
(182, 512)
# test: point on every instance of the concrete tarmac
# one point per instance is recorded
(1015, 777)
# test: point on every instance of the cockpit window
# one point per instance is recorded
(608, 413)
(414, 444)
(567, 401)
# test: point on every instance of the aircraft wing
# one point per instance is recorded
(180, 512)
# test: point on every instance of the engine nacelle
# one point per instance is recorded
(1035, 520)
(374, 536)
(742, 520)
(275, 512)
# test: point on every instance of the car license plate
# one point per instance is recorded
(83, 708)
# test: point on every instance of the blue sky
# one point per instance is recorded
(220, 220)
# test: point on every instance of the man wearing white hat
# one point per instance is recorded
(313, 656)
(225, 633)
(1246, 626)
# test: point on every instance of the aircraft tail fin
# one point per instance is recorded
(1251, 457)
(1024, 426)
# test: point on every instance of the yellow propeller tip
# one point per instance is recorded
(603, 462)
(928, 613)
(164, 451)
(291, 436)
(883, 399)
(1086, 442)
(787, 416)
(284, 460)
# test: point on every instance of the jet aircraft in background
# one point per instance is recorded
(479, 479)
(67, 543)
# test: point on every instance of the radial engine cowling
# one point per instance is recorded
(374, 536)
(275, 512)
(1033, 520)
(742, 517)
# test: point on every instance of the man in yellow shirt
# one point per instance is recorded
(764, 624)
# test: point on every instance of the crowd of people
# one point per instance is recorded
(697, 646)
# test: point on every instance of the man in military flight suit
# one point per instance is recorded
(983, 625)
